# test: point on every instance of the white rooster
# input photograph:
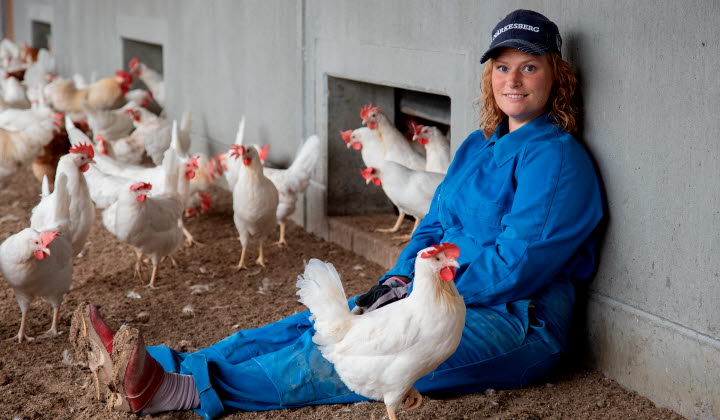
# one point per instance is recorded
(381, 354)
(38, 262)
(82, 209)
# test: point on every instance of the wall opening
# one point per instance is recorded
(148, 53)
(41, 35)
(347, 193)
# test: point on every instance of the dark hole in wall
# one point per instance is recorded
(347, 193)
(41, 35)
(148, 53)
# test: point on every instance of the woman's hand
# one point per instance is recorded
(391, 290)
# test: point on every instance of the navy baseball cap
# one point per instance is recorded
(527, 31)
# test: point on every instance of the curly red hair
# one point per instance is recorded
(562, 105)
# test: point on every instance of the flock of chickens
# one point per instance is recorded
(134, 166)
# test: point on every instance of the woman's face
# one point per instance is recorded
(521, 85)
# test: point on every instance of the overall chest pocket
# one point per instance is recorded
(482, 214)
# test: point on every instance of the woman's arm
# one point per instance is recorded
(556, 206)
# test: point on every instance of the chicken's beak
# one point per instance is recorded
(453, 263)
(368, 180)
(91, 161)
(46, 250)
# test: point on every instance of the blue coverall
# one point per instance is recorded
(522, 207)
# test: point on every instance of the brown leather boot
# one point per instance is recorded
(136, 375)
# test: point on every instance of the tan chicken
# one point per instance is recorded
(108, 93)
(255, 202)
(18, 147)
(381, 354)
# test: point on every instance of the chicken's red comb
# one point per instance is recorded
(48, 236)
(346, 135)
(264, 152)
(99, 137)
(125, 75)
(237, 150)
(417, 128)
(205, 201)
(133, 63)
(194, 162)
(368, 172)
(451, 251)
(367, 109)
(140, 186)
(84, 148)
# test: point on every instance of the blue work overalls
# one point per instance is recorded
(522, 207)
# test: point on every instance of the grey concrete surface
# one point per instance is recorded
(648, 73)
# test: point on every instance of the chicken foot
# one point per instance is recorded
(395, 228)
(261, 257)
(189, 238)
(412, 400)
(21, 334)
(281, 241)
(409, 236)
(151, 285)
(53, 331)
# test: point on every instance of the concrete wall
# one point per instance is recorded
(648, 73)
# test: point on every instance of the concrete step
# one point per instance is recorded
(356, 233)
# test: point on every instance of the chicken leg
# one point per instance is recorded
(409, 236)
(53, 331)
(151, 285)
(241, 265)
(138, 263)
(21, 334)
(189, 238)
(412, 400)
(395, 228)
(281, 241)
(261, 257)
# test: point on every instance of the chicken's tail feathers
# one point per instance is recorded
(45, 190)
(186, 121)
(320, 289)
(308, 156)
(241, 131)
(75, 135)
(62, 203)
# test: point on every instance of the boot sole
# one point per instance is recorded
(123, 344)
(90, 349)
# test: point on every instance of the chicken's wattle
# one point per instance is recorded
(423, 141)
(84, 167)
(141, 198)
(447, 273)
(39, 255)
(247, 161)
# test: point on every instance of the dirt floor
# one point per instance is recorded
(40, 380)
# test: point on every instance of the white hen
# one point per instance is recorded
(150, 224)
(255, 202)
(381, 354)
(82, 209)
(410, 191)
(38, 262)
(437, 147)
(293, 181)
(397, 148)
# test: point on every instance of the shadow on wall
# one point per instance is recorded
(578, 347)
